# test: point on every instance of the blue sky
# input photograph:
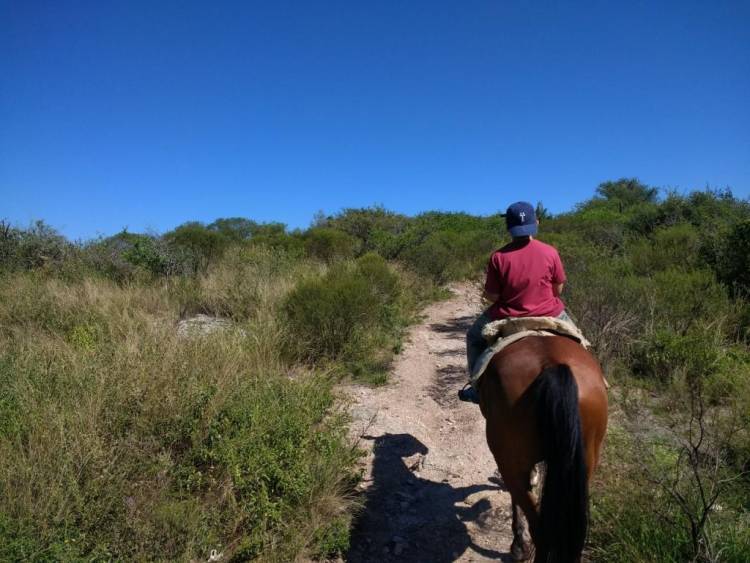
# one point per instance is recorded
(147, 114)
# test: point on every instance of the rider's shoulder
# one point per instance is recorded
(544, 247)
(514, 246)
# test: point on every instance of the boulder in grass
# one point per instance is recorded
(203, 325)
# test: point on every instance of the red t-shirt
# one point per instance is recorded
(522, 274)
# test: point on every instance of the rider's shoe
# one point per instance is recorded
(469, 394)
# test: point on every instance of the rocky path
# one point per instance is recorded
(430, 489)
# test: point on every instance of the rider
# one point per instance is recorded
(524, 279)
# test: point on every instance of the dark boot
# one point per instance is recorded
(469, 394)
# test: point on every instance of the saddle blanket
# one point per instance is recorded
(503, 333)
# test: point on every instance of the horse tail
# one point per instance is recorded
(563, 518)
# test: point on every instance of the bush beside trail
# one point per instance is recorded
(120, 440)
(652, 286)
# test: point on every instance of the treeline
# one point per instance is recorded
(440, 246)
(121, 440)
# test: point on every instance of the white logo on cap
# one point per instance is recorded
(522, 215)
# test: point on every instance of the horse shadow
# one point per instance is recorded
(409, 518)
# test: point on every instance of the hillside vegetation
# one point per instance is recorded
(120, 439)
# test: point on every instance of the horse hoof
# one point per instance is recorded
(521, 551)
(534, 477)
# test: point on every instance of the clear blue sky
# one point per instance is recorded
(148, 114)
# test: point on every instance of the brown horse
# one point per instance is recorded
(544, 399)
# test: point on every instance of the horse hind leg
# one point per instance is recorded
(524, 516)
(521, 549)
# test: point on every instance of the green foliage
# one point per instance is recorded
(236, 229)
(144, 443)
(144, 252)
(635, 517)
(330, 245)
(38, 246)
(333, 540)
(734, 261)
(347, 312)
(125, 255)
(626, 192)
(446, 256)
(681, 298)
(665, 353)
(676, 247)
(369, 225)
(198, 245)
(271, 442)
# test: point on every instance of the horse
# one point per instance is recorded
(544, 399)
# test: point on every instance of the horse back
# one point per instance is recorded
(517, 366)
(508, 398)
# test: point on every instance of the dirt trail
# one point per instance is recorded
(431, 492)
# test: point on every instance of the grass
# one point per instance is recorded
(634, 515)
(120, 440)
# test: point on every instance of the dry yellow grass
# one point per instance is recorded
(119, 439)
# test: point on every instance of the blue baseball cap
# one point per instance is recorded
(520, 219)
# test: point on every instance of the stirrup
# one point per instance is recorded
(468, 394)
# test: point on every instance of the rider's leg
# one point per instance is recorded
(564, 316)
(475, 345)
(475, 342)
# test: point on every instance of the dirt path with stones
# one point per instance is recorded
(430, 489)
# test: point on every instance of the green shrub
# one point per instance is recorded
(339, 315)
(241, 280)
(681, 298)
(235, 229)
(635, 517)
(603, 295)
(127, 257)
(734, 262)
(154, 444)
(368, 225)
(196, 245)
(330, 245)
(38, 246)
(445, 256)
(675, 247)
(666, 353)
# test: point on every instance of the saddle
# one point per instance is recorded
(503, 333)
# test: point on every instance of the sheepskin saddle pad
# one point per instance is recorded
(505, 332)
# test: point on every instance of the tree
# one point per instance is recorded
(627, 192)
(542, 212)
(200, 245)
(734, 263)
(330, 245)
(234, 228)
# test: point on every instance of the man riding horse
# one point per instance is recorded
(541, 392)
(524, 279)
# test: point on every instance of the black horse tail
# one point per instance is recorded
(563, 518)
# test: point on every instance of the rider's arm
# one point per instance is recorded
(557, 288)
(492, 284)
(492, 297)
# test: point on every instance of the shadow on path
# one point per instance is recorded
(408, 518)
(455, 327)
(448, 380)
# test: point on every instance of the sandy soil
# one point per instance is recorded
(431, 492)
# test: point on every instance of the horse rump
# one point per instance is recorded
(563, 517)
